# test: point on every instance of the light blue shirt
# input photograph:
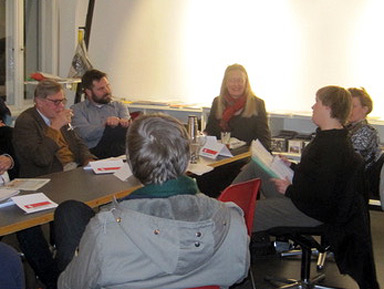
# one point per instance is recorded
(89, 119)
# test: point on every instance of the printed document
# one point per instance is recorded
(273, 165)
(27, 184)
(34, 202)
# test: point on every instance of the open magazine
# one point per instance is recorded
(272, 165)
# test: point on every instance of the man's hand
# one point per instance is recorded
(112, 121)
(5, 163)
(281, 185)
(61, 119)
(125, 122)
(115, 121)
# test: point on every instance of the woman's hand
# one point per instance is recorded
(281, 184)
(286, 161)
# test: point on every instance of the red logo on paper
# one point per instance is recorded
(209, 151)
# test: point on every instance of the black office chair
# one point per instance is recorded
(304, 238)
(287, 249)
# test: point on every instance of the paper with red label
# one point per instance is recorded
(212, 148)
(34, 202)
(106, 166)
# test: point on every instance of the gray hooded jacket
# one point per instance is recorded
(178, 242)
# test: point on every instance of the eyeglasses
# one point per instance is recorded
(57, 102)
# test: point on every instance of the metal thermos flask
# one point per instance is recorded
(192, 127)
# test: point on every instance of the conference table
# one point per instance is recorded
(85, 186)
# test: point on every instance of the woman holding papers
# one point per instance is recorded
(325, 168)
(238, 110)
(365, 138)
(326, 189)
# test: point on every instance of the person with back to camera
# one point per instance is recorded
(164, 235)
(326, 189)
(365, 138)
(11, 268)
(99, 120)
(243, 114)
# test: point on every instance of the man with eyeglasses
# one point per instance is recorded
(99, 120)
(45, 143)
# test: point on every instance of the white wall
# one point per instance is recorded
(178, 49)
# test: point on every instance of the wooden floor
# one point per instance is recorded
(290, 268)
(283, 267)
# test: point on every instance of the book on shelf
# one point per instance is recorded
(274, 166)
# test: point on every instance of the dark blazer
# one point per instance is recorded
(6, 147)
(36, 152)
(243, 128)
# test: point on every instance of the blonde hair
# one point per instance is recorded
(250, 106)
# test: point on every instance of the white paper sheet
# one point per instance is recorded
(106, 166)
(213, 148)
(199, 169)
(6, 193)
(34, 202)
(124, 173)
(27, 184)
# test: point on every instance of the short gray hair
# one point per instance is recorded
(47, 87)
(157, 148)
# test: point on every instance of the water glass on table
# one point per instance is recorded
(225, 138)
(196, 144)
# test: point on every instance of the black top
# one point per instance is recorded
(322, 175)
(6, 147)
(243, 128)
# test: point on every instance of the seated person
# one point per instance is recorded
(44, 144)
(365, 138)
(163, 235)
(5, 113)
(100, 121)
(320, 191)
(237, 110)
(8, 161)
(11, 268)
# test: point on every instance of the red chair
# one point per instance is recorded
(207, 287)
(244, 195)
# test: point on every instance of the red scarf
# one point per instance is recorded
(233, 105)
